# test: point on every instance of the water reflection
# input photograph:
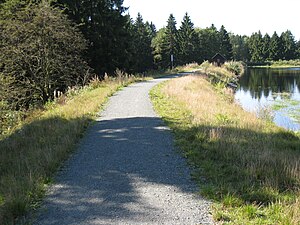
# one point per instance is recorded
(264, 87)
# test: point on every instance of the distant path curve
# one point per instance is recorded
(126, 171)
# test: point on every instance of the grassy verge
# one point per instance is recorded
(32, 152)
(248, 167)
(278, 64)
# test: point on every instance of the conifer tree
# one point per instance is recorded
(169, 42)
(225, 45)
(105, 26)
(266, 47)
(157, 45)
(187, 41)
(288, 45)
(275, 47)
(143, 34)
(256, 47)
(209, 42)
(240, 49)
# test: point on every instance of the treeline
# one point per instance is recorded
(49, 45)
(259, 48)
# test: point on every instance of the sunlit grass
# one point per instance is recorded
(33, 151)
(248, 167)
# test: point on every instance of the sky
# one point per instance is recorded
(238, 16)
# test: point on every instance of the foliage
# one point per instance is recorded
(169, 43)
(285, 63)
(225, 75)
(209, 42)
(247, 167)
(256, 47)
(259, 49)
(33, 151)
(41, 52)
(187, 42)
(107, 29)
(235, 67)
(240, 49)
(225, 44)
(143, 35)
(157, 45)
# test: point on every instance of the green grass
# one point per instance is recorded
(281, 64)
(249, 168)
(33, 151)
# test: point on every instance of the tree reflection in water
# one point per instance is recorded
(263, 87)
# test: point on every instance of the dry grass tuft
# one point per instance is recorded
(32, 151)
(244, 159)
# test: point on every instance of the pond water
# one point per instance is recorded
(272, 93)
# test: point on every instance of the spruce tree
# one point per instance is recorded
(187, 41)
(169, 45)
(239, 47)
(275, 46)
(143, 34)
(225, 45)
(158, 48)
(256, 44)
(209, 42)
(288, 45)
(266, 47)
(105, 26)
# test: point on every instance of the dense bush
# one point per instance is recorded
(40, 52)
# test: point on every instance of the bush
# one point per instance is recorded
(41, 52)
(235, 67)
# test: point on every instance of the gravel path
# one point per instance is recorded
(126, 171)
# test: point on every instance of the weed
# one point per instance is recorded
(34, 149)
(247, 166)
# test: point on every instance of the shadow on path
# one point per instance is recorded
(125, 170)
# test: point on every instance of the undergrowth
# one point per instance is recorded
(32, 150)
(249, 168)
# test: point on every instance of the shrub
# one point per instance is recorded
(41, 52)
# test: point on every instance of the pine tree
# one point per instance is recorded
(298, 50)
(143, 34)
(105, 26)
(266, 47)
(225, 45)
(187, 41)
(240, 49)
(275, 46)
(151, 29)
(209, 42)
(169, 43)
(289, 45)
(158, 47)
(255, 43)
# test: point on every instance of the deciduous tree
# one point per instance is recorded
(40, 52)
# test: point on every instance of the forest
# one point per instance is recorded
(52, 45)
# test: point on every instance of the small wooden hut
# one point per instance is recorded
(218, 59)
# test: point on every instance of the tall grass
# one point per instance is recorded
(250, 168)
(32, 151)
(286, 63)
(277, 64)
(188, 67)
(227, 74)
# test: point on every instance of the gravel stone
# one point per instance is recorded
(126, 171)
